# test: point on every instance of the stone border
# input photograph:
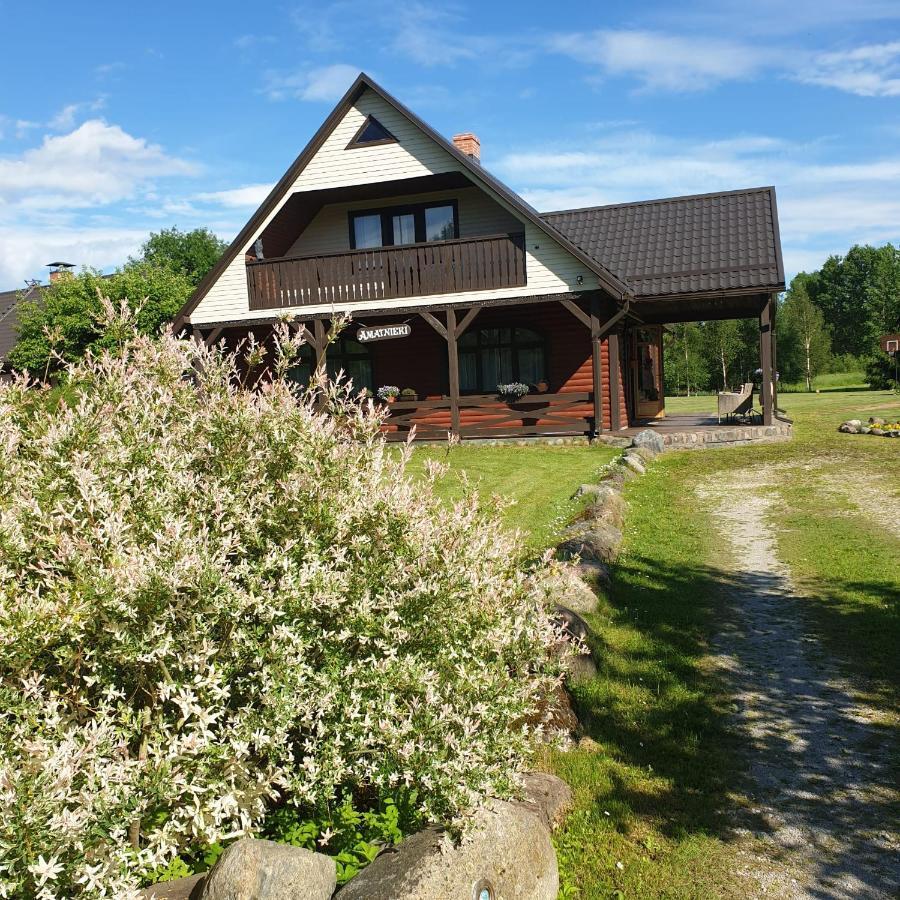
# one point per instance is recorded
(730, 436)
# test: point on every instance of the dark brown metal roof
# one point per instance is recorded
(725, 241)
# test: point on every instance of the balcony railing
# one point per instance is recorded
(388, 273)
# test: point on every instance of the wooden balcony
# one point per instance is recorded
(388, 273)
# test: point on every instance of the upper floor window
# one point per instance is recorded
(410, 224)
(371, 132)
(492, 356)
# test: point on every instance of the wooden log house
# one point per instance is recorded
(383, 218)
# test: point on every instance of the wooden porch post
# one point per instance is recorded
(774, 304)
(596, 363)
(765, 360)
(453, 370)
(615, 387)
(319, 344)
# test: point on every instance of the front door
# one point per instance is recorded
(646, 372)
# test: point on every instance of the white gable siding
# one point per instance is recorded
(550, 268)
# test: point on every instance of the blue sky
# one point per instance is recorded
(116, 120)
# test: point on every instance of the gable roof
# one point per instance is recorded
(725, 241)
(616, 288)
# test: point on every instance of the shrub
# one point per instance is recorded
(215, 602)
(514, 390)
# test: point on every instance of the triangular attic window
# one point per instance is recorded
(371, 132)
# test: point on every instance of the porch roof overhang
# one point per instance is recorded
(700, 307)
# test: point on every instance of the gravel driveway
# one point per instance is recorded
(821, 813)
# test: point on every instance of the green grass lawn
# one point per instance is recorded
(536, 482)
(651, 791)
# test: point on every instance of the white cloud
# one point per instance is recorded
(326, 84)
(24, 252)
(824, 207)
(249, 196)
(662, 61)
(871, 70)
(65, 119)
(96, 163)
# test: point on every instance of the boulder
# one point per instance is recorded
(878, 431)
(594, 573)
(649, 440)
(187, 888)
(599, 542)
(865, 429)
(847, 428)
(634, 462)
(571, 622)
(587, 490)
(508, 850)
(608, 507)
(252, 869)
(567, 588)
(548, 797)
(644, 452)
(581, 668)
(876, 420)
(555, 714)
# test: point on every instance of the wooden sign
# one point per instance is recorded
(382, 332)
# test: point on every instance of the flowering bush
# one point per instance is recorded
(515, 390)
(388, 392)
(213, 600)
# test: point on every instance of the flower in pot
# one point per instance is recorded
(542, 387)
(408, 394)
(513, 391)
(388, 393)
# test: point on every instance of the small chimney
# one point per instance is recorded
(59, 269)
(469, 144)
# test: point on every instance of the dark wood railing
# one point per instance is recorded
(487, 415)
(388, 273)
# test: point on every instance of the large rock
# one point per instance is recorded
(187, 888)
(566, 587)
(571, 622)
(548, 797)
(608, 507)
(598, 542)
(650, 440)
(263, 870)
(634, 462)
(580, 668)
(594, 573)
(509, 850)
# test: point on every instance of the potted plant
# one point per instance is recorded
(408, 394)
(513, 391)
(542, 387)
(388, 393)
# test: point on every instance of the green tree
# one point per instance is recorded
(723, 346)
(65, 321)
(685, 369)
(191, 253)
(807, 347)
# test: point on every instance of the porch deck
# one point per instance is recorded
(694, 430)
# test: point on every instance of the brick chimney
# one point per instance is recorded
(468, 144)
(59, 270)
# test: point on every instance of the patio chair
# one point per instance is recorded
(736, 403)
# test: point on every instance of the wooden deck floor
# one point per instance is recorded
(704, 429)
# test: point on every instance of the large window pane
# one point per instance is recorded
(404, 228)
(531, 365)
(367, 231)
(468, 371)
(439, 223)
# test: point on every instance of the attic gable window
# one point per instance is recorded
(370, 134)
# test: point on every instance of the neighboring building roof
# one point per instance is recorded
(726, 241)
(9, 316)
